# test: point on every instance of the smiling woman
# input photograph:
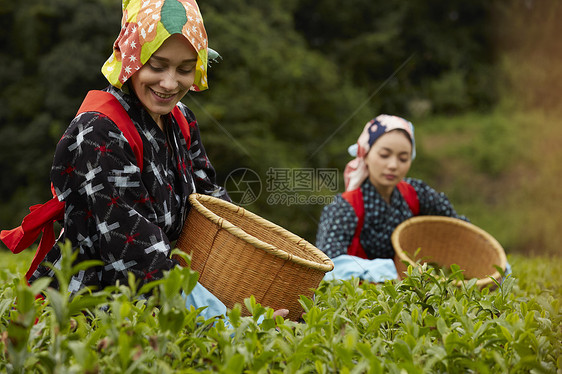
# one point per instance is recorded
(167, 76)
(127, 163)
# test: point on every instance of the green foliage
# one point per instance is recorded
(450, 45)
(500, 169)
(528, 33)
(52, 52)
(421, 324)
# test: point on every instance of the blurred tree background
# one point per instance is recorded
(297, 82)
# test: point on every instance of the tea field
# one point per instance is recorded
(422, 324)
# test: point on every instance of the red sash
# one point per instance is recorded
(355, 199)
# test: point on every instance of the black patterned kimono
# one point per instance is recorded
(115, 213)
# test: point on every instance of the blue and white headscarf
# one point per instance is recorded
(356, 170)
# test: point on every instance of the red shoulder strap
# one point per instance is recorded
(355, 199)
(106, 104)
(410, 195)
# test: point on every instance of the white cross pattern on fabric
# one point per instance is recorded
(84, 241)
(119, 265)
(68, 208)
(181, 140)
(104, 229)
(167, 216)
(50, 273)
(61, 195)
(159, 246)
(133, 212)
(118, 136)
(80, 137)
(150, 137)
(192, 155)
(92, 172)
(122, 181)
(91, 190)
(156, 172)
(76, 281)
(128, 169)
(216, 192)
(201, 174)
(122, 177)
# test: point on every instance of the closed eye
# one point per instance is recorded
(155, 67)
(186, 70)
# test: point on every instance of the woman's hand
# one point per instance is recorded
(281, 312)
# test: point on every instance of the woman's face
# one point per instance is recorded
(166, 77)
(389, 160)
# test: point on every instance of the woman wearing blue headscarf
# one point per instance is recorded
(355, 229)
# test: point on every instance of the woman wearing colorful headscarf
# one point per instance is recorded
(122, 205)
(355, 229)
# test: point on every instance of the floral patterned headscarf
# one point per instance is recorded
(356, 170)
(145, 25)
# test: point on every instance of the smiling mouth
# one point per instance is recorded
(162, 96)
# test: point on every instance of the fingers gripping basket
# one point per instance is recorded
(238, 254)
(446, 241)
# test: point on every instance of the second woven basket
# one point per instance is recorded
(446, 241)
(238, 254)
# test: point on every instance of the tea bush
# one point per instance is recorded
(421, 324)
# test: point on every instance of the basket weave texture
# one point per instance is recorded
(239, 254)
(446, 241)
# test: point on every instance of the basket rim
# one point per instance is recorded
(481, 282)
(195, 200)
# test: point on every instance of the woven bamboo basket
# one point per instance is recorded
(445, 241)
(239, 254)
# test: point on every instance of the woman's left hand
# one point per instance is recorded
(281, 312)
